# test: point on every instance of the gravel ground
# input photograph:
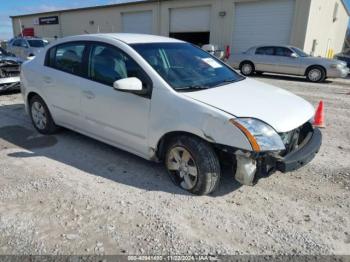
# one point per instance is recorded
(68, 194)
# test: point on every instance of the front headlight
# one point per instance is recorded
(261, 136)
(337, 66)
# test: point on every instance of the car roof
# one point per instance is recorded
(127, 38)
(26, 37)
(272, 45)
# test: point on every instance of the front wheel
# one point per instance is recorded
(316, 74)
(193, 165)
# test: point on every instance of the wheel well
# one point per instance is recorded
(246, 61)
(31, 95)
(315, 66)
(164, 141)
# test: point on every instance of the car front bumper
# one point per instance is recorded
(9, 83)
(338, 73)
(301, 156)
(250, 167)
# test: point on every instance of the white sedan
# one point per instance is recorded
(167, 100)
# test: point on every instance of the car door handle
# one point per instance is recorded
(47, 79)
(89, 94)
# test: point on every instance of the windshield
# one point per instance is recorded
(299, 52)
(185, 67)
(36, 43)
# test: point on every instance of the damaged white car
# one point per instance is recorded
(9, 71)
(167, 100)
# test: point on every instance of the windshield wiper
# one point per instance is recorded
(225, 82)
(191, 88)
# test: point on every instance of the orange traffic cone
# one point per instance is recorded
(319, 117)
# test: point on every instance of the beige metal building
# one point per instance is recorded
(317, 26)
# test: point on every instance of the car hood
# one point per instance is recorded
(323, 60)
(11, 58)
(280, 109)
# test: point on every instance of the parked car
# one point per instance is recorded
(287, 60)
(345, 58)
(167, 100)
(9, 71)
(215, 51)
(26, 47)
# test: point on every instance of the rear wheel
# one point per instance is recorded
(193, 165)
(41, 117)
(316, 74)
(247, 68)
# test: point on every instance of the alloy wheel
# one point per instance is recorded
(182, 167)
(247, 69)
(315, 75)
(39, 115)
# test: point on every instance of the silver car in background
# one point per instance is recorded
(26, 47)
(287, 60)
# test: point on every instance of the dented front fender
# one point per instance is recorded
(221, 131)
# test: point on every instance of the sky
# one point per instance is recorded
(16, 7)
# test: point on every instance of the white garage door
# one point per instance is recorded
(193, 19)
(138, 22)
(262, 22)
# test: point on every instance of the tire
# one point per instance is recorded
(41, 116)
(316, 74)
(193, 165)
(247, 68)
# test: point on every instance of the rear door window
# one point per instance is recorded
(68, 58)
(283, 51)
(23, 43)
(36, 43)
(17, 42)
(266, 50)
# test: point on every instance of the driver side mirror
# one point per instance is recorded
(294, 55)
(130, 84)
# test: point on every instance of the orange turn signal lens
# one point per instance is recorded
(249, 136)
